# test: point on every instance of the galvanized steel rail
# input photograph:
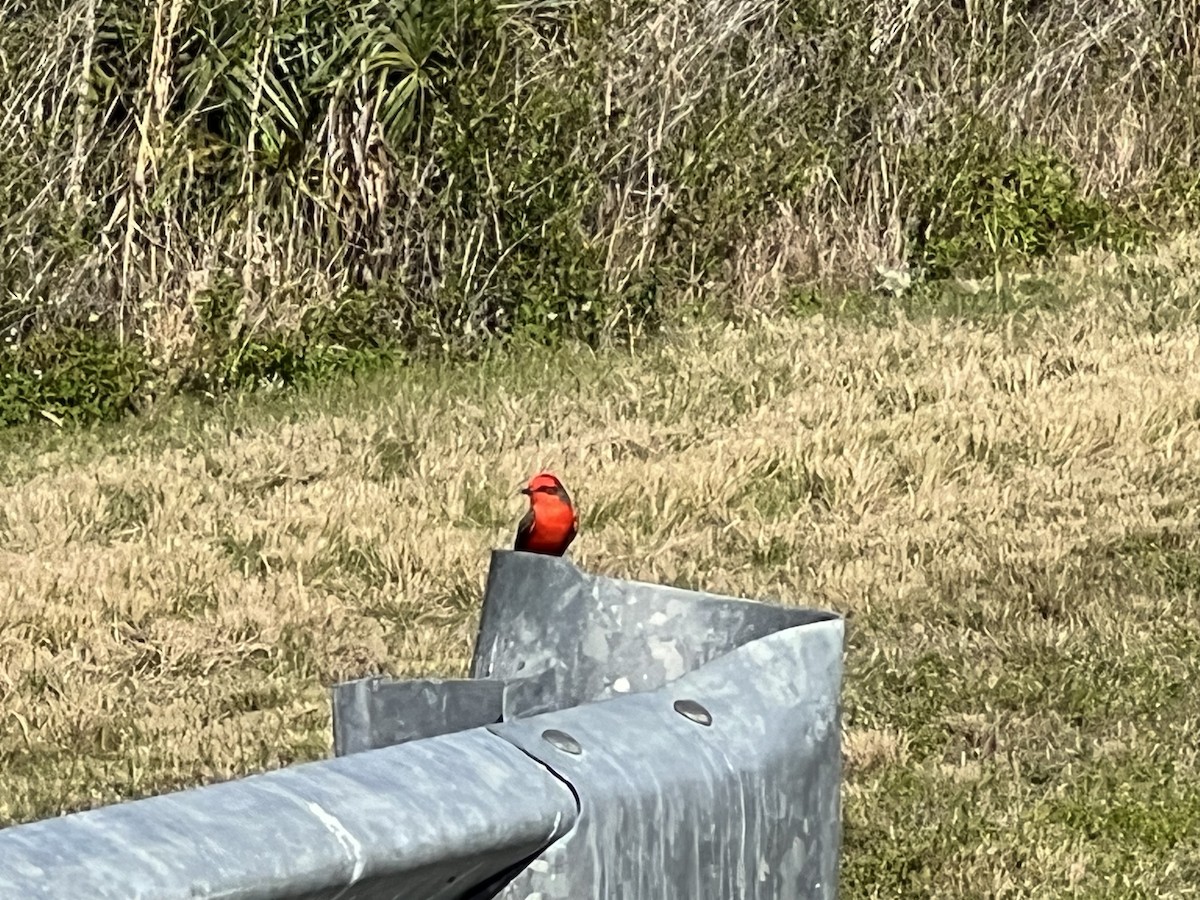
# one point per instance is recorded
(615, 739)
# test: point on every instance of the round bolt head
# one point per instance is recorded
(562, 741)
(694, 711)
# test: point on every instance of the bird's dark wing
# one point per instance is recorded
(524, 530)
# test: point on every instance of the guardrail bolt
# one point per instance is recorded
(562, 741)
(694, 711)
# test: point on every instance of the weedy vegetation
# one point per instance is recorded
(925, 329)
(259, 193)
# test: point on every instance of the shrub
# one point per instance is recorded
(475, 168)
(998, 206)
(70, 375)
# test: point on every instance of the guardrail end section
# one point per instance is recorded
(724, 783)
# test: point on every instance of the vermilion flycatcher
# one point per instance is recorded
(550, 523)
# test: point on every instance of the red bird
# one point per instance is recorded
(550, 523)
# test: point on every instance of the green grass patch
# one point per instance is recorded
(1109, 811)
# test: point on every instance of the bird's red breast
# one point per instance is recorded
(551, 522)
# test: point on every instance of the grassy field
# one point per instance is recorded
(998, 490)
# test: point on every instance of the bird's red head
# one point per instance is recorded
(543, 483)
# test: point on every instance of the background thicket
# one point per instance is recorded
(216, 193)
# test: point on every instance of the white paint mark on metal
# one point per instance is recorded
(348, 841)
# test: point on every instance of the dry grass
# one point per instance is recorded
(1001, 501)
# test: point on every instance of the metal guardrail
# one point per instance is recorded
(615, 739)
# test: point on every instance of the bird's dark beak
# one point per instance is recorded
(524, 490)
